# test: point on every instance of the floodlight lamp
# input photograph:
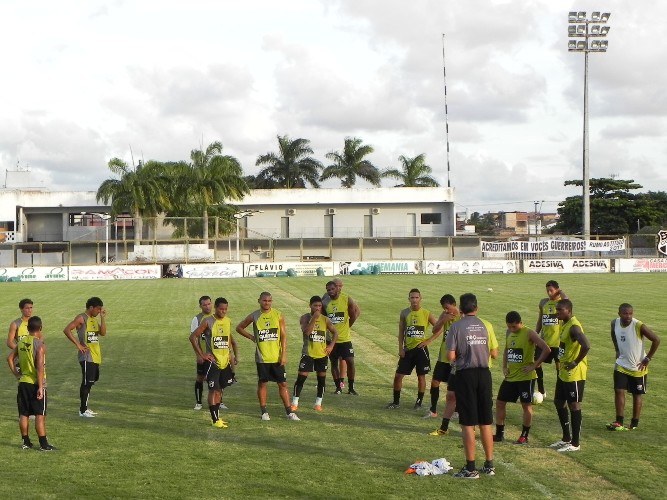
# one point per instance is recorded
(581, 45)
(604, 44)
(572, 45)
(572, 17)
(581, 29)
(572, 29)
(595, 29)
(595, 45)
(605, 17)
(595, 16)
(581, 16)
(604, 30)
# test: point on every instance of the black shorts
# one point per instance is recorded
(441, 371)
(521, 389)
(310, 364)
(271, 372)
(219, 378)
(342, 350)
(572, 392)
(451, 382)
(27, 402)
(416, 358)
(625, 382)
(474, 396)
(202, 368)
(553, 355)
(90, 372)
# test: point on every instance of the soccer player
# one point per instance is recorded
(270, 335)
(413, 343)
(89, 326)
(548, 327)
(471, 343)
(574, 347)
(31, 399)
(19, 327)
(315, 353)
(342, 312)
(442, 370)
(519, 366)
(218, 356)
(631, 369)
(206, 306)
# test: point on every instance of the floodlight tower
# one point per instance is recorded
(585, 37)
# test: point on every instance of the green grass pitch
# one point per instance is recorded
(147, 441)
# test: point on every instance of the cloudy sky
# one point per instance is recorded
(86, 81)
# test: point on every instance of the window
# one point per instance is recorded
(431, 218)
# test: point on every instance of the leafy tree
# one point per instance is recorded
(140, 191)
(614, 208)
(210, 180)
(351, 163)
(414, 172)
(292, 166)
(484, 224)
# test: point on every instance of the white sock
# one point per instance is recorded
(318, 401)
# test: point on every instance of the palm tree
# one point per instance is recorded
(209, 180)
(293, 166)
(414, 172)
(350, 164)
(140, 191)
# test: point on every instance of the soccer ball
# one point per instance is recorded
(538, 398)
(489, 289)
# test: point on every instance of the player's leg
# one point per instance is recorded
(397, 386)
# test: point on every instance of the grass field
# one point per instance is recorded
(147, 441)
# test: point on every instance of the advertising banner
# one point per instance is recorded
(641, 266)
(211, 270)
(553, 246)
(470, 266)
(553, 266)
(382, 267)
(48, 273)
(288, 269)
(95, 273)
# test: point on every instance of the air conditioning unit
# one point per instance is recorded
(291, 211)
(331, 211)
(375, 211)
(268, 254)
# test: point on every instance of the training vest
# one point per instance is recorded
(568, 352)
(520, 353)
(630, 347)
(315, 342)
(266, 327)
(443, 348)
(416, 324)
(337, 311)
(89, 335)
(551, 326)
(218, 342)
(196, 321)
(27, 349)
(21, 329)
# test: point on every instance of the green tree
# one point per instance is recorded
(351, 163)
(615, 210)
(292, 166)
(210, 180)
(140, 191)
(414, 172)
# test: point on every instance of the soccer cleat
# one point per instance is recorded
(467, 474)
(498, 439)
(559, 444)
(353, 392)
(393, 406)
(87, 414)
(338, 391)
(47, 447)
(294, 408)
(293, 416)
(438, 432)
(569, 447)
(522, 440)
(220, 424)
(223, 406)
(94, 413)
(265, 416)
(198, 406)
(633, 427)
(489, 471)
(431, 414)
(417, 406)
(25, 446)
(317, 407)
(615, 426)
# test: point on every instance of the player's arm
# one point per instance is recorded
(11, 361)
(352, 310)
(540, 311)
(103, 322)
(41, 376)
(334, 336)
(283, 341)
(307, 323)
(563, 295)
(194, 340)
(73, 325)
(577, 335)
(11, 336)
(235, 349)
(544, 354)
(241, 328)
(438, 327)
(613, 337)
(655, 342)
(432, 321)
(505, 368)
(401, 336)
